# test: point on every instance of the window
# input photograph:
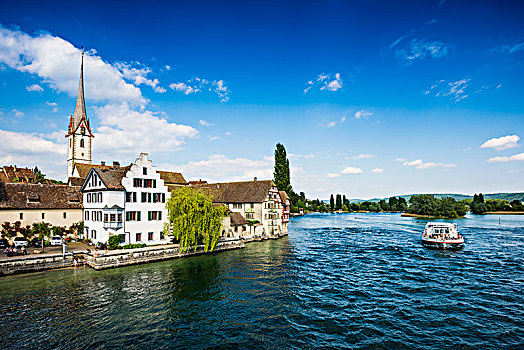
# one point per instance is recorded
(163, 197)
(82, 130)
(154, 215)
(154, 183)
(89, 198)
(100, 216)
(150, 236)
(131, 197)
(65, 215)
(237, 205)
(138, 237)
(112, 217)
(148, 183)
(119, 217)
(21, 216)
(93, 234)
(249, 215)
(105, 217)
(86, 215)
(123, 238)
(144, 170)
(144, 197)
(252, 205)
(149, 197)
(133, 216)
(82, 143)
(43, 216)
(100, 197)
(162, 236)
(137, 182)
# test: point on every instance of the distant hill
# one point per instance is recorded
(508, 196)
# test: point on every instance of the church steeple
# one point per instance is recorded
(79, 134)
(80, 109)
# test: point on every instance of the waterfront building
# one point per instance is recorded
(286, 208)
(254, 201)
(59, 205)
(127, 201)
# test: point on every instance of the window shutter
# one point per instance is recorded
(138, 216)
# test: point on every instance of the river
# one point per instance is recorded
(337, 281)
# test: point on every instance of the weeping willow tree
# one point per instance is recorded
(193, 219)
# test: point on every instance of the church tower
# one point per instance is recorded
(79, 134)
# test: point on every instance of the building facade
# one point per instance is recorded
(127, 201)
(58, 205)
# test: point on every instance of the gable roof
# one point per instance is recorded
(13, 173)
(111, 177)
(237, 219)
(39, 196)
(172, 178)
(238, 192)
(284, 196)
(83, 169)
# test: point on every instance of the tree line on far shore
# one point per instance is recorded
(478, 205)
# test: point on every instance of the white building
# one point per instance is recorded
(254, 200)
(127, 201)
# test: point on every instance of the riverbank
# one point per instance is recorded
(504, 213)
(420, 216)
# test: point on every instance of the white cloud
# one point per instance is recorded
(167, 67)
(34, 87)
(125, 131)
(200, 84)
(509, 49)
(51, 103)
(213, 138)
(228, 133)
(419, 164)
(182, 87)
(514, 158)
(137, 73)
(21, 143)
(218, 168)
(330, 124)
(502, 143)
(456, 90)
(327, 82)
(363, 114)
(351, 170)
(362, 156)
(18, 114)
(57, 62)
(205, 123)
(377, 171)
(417, 49)
(333, 175)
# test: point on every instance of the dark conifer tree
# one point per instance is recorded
(331, 203)
(338, 203)
(281, 175)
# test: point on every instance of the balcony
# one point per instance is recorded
(113, 224)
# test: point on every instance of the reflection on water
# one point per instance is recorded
(337, 281)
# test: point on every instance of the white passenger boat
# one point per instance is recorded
(442, 235)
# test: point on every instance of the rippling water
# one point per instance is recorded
(337, 281)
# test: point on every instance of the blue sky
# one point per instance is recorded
(370, 98)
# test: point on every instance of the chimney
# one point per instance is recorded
(103, 163)
(116, 164)
(255, 178)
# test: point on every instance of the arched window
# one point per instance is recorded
(82, 143)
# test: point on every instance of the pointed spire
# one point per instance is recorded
(80, 109)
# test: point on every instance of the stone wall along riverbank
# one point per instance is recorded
(124, 257)
(35, 263)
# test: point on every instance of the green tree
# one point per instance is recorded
(338, 202)
(8, 230)
(344, 208)
(331, 203)
(281, 175)
(193, 219)
(77, 229)
(42, 230)
(481, 198)
(39, 177)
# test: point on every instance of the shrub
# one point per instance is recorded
(114, 241)
(132, 246)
